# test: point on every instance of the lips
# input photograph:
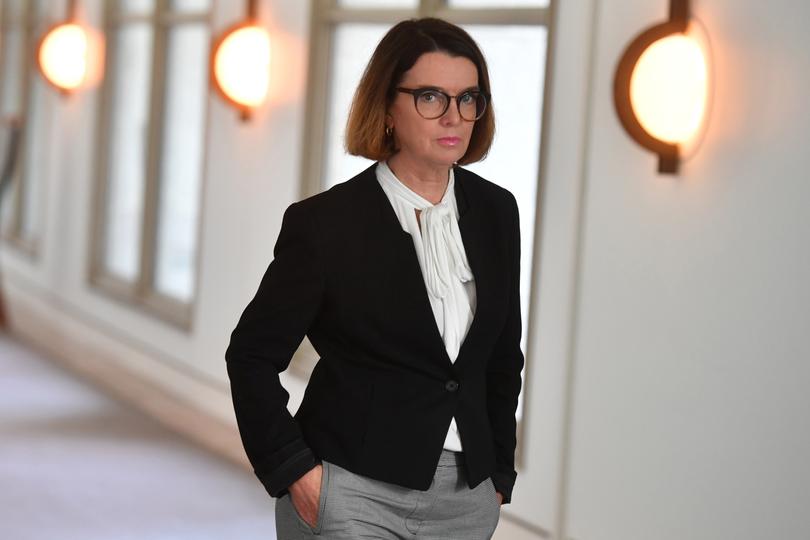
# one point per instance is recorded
(449, 141)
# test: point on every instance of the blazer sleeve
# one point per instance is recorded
(261, 346)
(503, 372)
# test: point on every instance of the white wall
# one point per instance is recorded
(690, 350)
(667, 377)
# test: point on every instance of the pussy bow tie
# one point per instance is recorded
(445, 258)
(443, 250)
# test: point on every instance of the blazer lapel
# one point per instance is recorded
(395, 246)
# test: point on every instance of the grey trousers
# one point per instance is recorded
(353, 506)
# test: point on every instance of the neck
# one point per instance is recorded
(427, 179)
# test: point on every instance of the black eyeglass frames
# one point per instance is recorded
(432, 103)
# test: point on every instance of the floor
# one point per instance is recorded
(77, 464)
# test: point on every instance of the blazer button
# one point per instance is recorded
(451, 386)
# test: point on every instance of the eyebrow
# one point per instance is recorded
(429, 87)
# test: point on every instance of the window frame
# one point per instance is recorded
(326, 14)
(33, 22)
(142, 293)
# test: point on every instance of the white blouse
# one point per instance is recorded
(443, 260)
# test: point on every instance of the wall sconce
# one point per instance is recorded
(240, 63)
(62, 53)
(660, 89)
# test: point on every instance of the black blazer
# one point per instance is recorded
(382, 395)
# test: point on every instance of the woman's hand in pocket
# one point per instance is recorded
(305, 494)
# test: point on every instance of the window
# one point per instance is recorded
(24, 99)
(345, 33)
(501, 4)
(152, 136)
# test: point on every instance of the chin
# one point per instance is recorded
(447, 161)
(449, 157)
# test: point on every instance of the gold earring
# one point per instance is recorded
(389, 130)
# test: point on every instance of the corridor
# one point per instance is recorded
(77, 464)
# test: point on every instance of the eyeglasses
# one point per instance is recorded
(432, 103)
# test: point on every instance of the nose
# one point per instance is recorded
(452, 115)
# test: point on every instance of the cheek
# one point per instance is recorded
(414, 133)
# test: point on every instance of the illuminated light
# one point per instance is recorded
(241, 66)
(62, 56)
(661, 87)
(668, 88)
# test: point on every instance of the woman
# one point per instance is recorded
(406, 280)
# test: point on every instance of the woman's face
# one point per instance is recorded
(442, 141)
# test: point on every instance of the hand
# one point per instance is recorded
(500, 497)
(305, 494)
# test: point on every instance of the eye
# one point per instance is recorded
(430, 96)
(468, 98)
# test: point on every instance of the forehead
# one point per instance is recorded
(442, 70)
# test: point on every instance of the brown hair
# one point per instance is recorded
(396, 53)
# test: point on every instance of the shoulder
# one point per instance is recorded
(339, 211)
(340, 195)
(487, 192)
